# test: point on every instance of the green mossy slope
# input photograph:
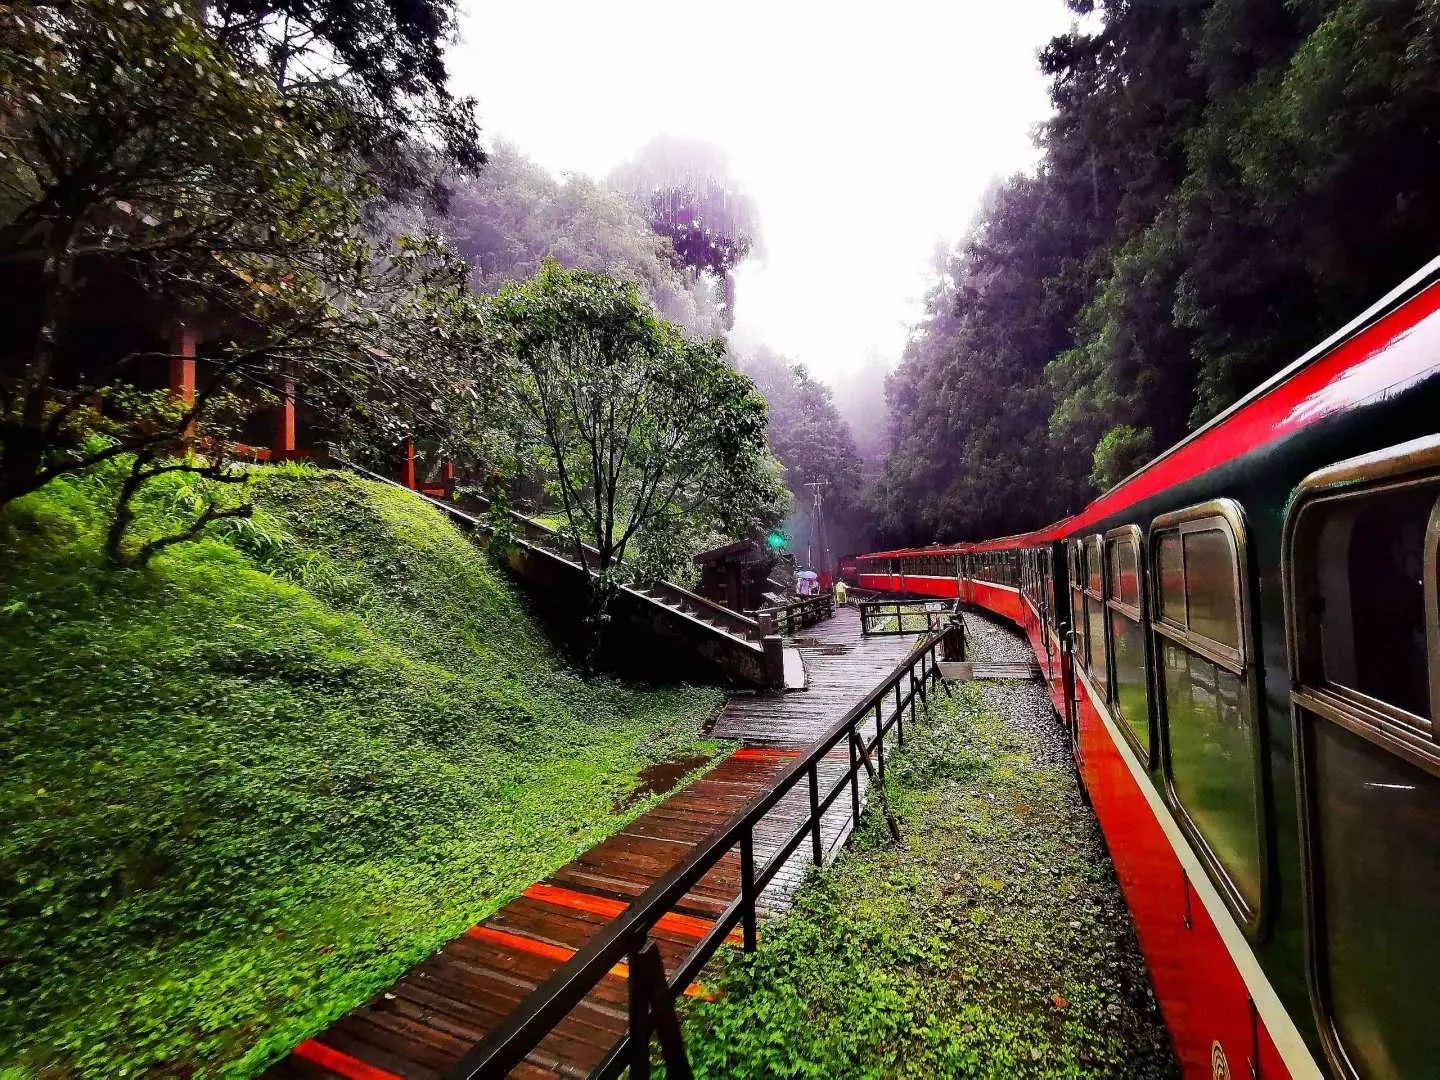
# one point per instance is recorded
(245, 788)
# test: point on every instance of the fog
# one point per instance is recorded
(864, 134)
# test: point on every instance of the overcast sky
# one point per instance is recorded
(866, 134)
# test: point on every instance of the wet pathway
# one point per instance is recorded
(428, 1019)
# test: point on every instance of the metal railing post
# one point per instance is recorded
(899, 717)
(747, 887)
(880, 744)
(854, 778)
(816, 853)
(639, 1021)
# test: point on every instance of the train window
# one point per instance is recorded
(1124, 570)
(1128, 691)
(1206, 698)
(1371, 813)
(1095, 612)
(1077, 608)
(1210, 586)
(1370, 570)
(1362, 556)
(1047, 566)
(1171, 579)
(1362, 563)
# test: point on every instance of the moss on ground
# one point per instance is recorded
(993, 942)
(249, 786)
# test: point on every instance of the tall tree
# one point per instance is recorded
(687, 194)
(654, 439)
(813, 443)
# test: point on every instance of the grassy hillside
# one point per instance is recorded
(248, 786)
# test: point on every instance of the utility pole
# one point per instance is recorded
(817, 489)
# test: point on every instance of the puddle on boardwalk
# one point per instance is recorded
(658, 779)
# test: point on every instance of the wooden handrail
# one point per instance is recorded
(626, 937)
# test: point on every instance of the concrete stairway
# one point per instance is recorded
(741, 648)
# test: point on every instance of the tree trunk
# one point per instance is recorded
(22, 455)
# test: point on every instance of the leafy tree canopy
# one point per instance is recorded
(655, 440)
(384, 59)
(685, 190)
(510, 217)
(814, 444)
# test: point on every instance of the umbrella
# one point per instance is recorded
(808, 575)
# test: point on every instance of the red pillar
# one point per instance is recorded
(407, 463)
(182, 363)
(447, 477)
(285, 424)
(182, 367)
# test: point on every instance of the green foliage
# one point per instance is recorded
(385, 57)
(168, 165)
(813, 442)
(654, 440)
(991, 942)
(1121, 451)
(248, 786)
(1223, 184)
(512, 216)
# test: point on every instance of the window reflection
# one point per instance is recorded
(1124, 573)
(1210, 586)
(1211, 740)
(1128, 693)
(1375, 814)
(1171, 578)
(1095, 611)
(1367, 560)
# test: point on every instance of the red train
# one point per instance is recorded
(1243, 638)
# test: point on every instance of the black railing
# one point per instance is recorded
(904, 616)
(651, 999)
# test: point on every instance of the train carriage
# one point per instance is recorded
(1244, 640)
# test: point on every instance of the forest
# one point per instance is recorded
(1222, 184)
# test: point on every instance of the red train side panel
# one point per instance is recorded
(1222, 1020)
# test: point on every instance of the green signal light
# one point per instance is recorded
(775, 541)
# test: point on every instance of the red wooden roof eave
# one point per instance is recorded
(1295, 397)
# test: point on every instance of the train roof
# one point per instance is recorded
(1389, 346)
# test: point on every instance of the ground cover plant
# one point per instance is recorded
(246, 787)
(992, 942)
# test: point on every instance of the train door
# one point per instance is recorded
(1075, 645)
(1362, 563)
(1047, 610)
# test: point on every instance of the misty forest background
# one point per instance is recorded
(1223, 183)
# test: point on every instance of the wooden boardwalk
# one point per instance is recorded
(422, 1024)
